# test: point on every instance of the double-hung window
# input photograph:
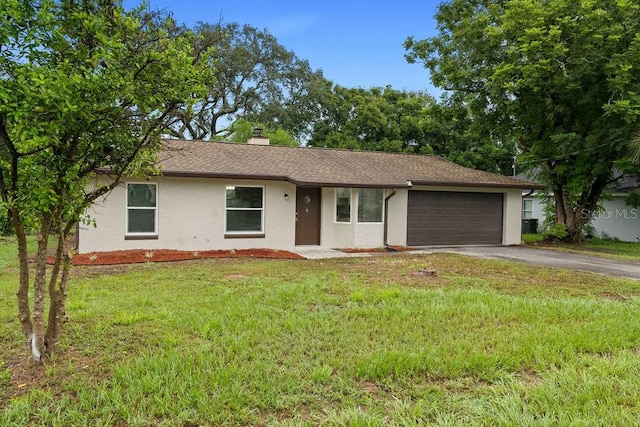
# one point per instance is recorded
(370, 201)
(527, 208)
(343, 205)
(142, 209)
(244, 210)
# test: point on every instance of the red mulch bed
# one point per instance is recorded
(360, 250)
(167, 255)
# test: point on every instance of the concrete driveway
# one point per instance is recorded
(544, 257)
(549, 258)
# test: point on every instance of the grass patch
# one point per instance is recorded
(359, 341)
(605, 248)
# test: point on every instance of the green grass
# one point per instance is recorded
(359, 342)
(605, 248)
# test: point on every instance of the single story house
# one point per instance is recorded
(213, 195)
(614, 220)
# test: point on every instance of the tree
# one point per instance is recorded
(243, 130)
(86, 86)
(255, 78)
(453, 133)
(385, 119)
(557, 76)
(376, 119)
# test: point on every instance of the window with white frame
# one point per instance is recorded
(343, 205)
(527, 208)
(244, 209)
(370, 202)
(142, 208)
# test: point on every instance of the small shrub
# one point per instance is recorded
(556, 233)
(588, 231)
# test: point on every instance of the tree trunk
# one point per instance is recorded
(57, 295)
(24, 310)
(38, 349)
(568, 215)
(576, 215)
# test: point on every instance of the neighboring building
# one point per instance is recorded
(615, 220)
(238, 196)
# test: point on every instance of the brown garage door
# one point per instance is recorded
(454, 218)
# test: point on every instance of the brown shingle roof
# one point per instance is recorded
(322, 167)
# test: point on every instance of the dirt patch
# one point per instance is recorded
(25, 375)
(167, 255)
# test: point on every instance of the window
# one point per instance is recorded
(343, 205)
(370, 205)
(527, 209)
(245, 206)
(142, 209)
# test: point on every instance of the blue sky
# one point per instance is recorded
(354, 43)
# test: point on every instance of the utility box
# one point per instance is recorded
(530, 226)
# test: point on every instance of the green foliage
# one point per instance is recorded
(532, 238)
(456, 135)
(255, 78)
(380, 119)
(555, 233)
(6, 229)
(376, 119)
(83, 88)
(555, 76)
(633, 199)
(86, 87)
(242, 130)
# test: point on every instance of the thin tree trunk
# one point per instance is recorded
(24, 309)
(38, 349)
(57, 295)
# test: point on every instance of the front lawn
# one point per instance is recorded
(605, 248)
(359, 341)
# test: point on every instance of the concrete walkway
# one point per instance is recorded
(543, 257)
(316, 252)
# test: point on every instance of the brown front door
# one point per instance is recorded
(307, 216)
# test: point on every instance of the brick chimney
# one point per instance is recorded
(258, 138)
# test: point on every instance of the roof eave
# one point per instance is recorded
(192, 174)
(297, 182)
(524, 185)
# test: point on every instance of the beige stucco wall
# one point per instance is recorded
(348, 235)
(191, 214)
(335, 234)
(512, 217)
(397, 228)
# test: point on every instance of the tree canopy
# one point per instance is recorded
(386, 119)
(559, 77)
(377, 119)
(256, 78)
(86, 86)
